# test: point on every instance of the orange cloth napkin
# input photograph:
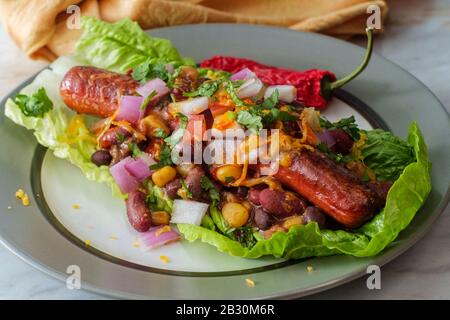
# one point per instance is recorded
(39, 26)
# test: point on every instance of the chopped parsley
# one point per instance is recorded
(35, 105)
(245, 236)
(348, 125)
(148, 70)
(250, 120)
(271, 101)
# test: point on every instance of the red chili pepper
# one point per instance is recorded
(314, 87)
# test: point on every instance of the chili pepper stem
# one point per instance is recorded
(329, 87)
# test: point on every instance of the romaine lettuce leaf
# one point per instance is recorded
(122, 45)
(116, 47)
(404, 199)
(386, 154)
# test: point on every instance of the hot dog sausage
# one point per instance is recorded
(331, 187)
(95, 91)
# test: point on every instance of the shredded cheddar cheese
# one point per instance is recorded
(162, 230)
(164, 259)
(87, 242)
(113, 237)
(136, 244)
(249, 282)
(21, 195)
(309, 269)
(76, 206)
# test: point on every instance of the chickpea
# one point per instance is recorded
(151, 124)
(163, 176)
(235, 214)
(228, 173)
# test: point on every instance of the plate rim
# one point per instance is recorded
(400, 248)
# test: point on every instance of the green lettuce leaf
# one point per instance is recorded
(404, 199)
(123, 45)
(115, 47)
(386, 154)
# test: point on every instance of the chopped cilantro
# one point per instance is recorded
(135, 151)
(165, 159)
(272, 101)
(251, 121)
(207, 185)
(337, 157)
(206, 89)
(176, 136)
(186, 189)
(148, 70)
(347, 124)
(147, 100)
(160, 133)
(35, 105)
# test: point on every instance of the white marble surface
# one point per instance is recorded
(418, 39)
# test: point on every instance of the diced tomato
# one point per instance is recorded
(218, 108)
(191, 134)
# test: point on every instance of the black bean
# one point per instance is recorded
(101, 158)
(314, 214)
(242, 192)
(262, 219)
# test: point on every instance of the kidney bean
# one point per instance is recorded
(138, 213)
(281, 203)
(112, 137)
(101, 158)
(262, 219)
(343, 143)
(193, 182)
(314, 214)
(253, 196)
(172, 188)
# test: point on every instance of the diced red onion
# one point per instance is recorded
(188, 211)
(250, 88)
(326, 137)
(130, 109)
(194, 106)
(153, 85)
(244, 74)
(139, 168)
(154, 238)
(287, 93)
(123, 178)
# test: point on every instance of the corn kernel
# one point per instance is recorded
(163, 176)
(76, 206)
(87, 242)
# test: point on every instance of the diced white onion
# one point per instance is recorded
(188, 211)
(194, 106)
(287, 93)
(249, 88)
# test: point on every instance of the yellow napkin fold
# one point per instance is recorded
(39, 26)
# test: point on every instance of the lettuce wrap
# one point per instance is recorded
(121, 46)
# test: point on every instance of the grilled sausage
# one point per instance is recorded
(331, 187)
(95, 91)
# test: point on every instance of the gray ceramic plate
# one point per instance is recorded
(50, 236)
